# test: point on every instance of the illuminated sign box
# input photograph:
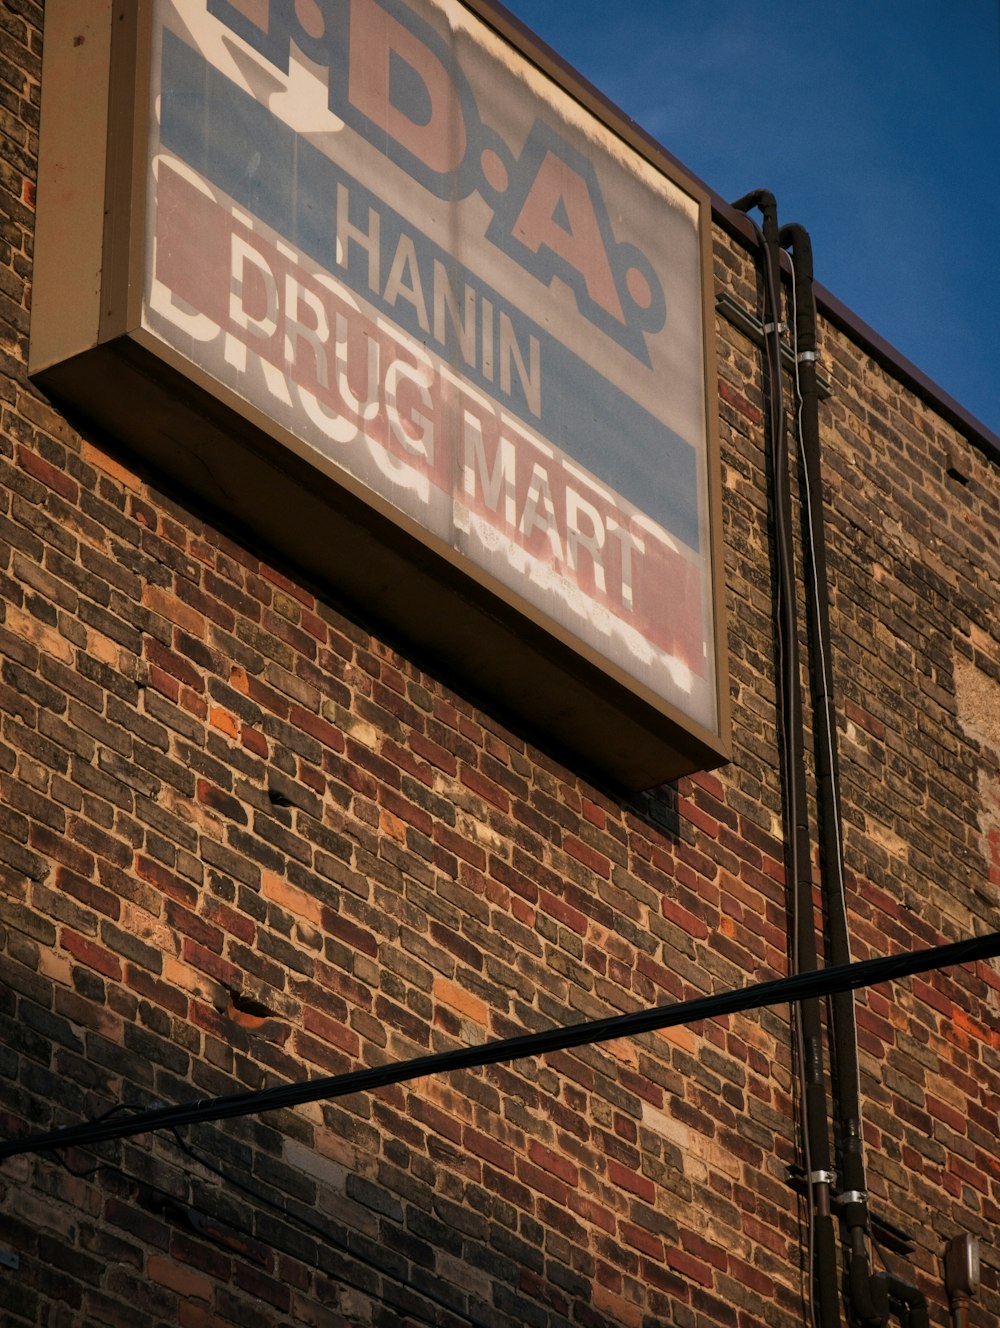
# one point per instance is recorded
(366, 277)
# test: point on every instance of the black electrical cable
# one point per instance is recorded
(814, 985)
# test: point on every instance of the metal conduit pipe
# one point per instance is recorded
(853, 1205)
(824, 1299)
(909, 1303)
(869, 1297)
(961, 1276)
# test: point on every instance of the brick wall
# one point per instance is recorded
(244, 841)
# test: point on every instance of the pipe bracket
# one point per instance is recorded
(851, 1197)
(822, 1178)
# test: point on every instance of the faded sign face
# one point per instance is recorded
(470, 302)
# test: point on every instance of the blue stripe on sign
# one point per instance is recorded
(274, 174)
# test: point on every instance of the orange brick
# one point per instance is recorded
(179, 1277)
(224, 720)
(290, 897)
(463, 1002)
(102, 461)
(173, 609)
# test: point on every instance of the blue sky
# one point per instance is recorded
(876, 123)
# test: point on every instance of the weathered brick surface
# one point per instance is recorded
(243, 840)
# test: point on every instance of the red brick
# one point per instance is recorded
(461, 847)
(166, 882)
(156, 990)
(593, 1212)
(94, 896)
(499, 1155)
(590, 857)
(486, 788)
(640, 1239)
(49, 475)
(437, 1120)
(220, 915)
(179, 1278)
(183, 920)
(317, 728)
(543, 1181)
(348, 932)
(254, 741)
(213, 964)
(689, 1267)
(739, 402)
(558, 908)
(331, 1031)
(170, 663)
(683, 918)
(90, 953)
(555, 1163)
(625, 1179)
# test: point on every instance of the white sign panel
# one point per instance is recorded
(469, 301)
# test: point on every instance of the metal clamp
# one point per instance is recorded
(822, 1178)
(781, 327)
(807, 356)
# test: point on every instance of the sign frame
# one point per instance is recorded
(89, 348)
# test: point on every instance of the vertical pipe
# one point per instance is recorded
(865, 1307)
(824, 1299)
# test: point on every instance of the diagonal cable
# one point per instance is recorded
(815, 984)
